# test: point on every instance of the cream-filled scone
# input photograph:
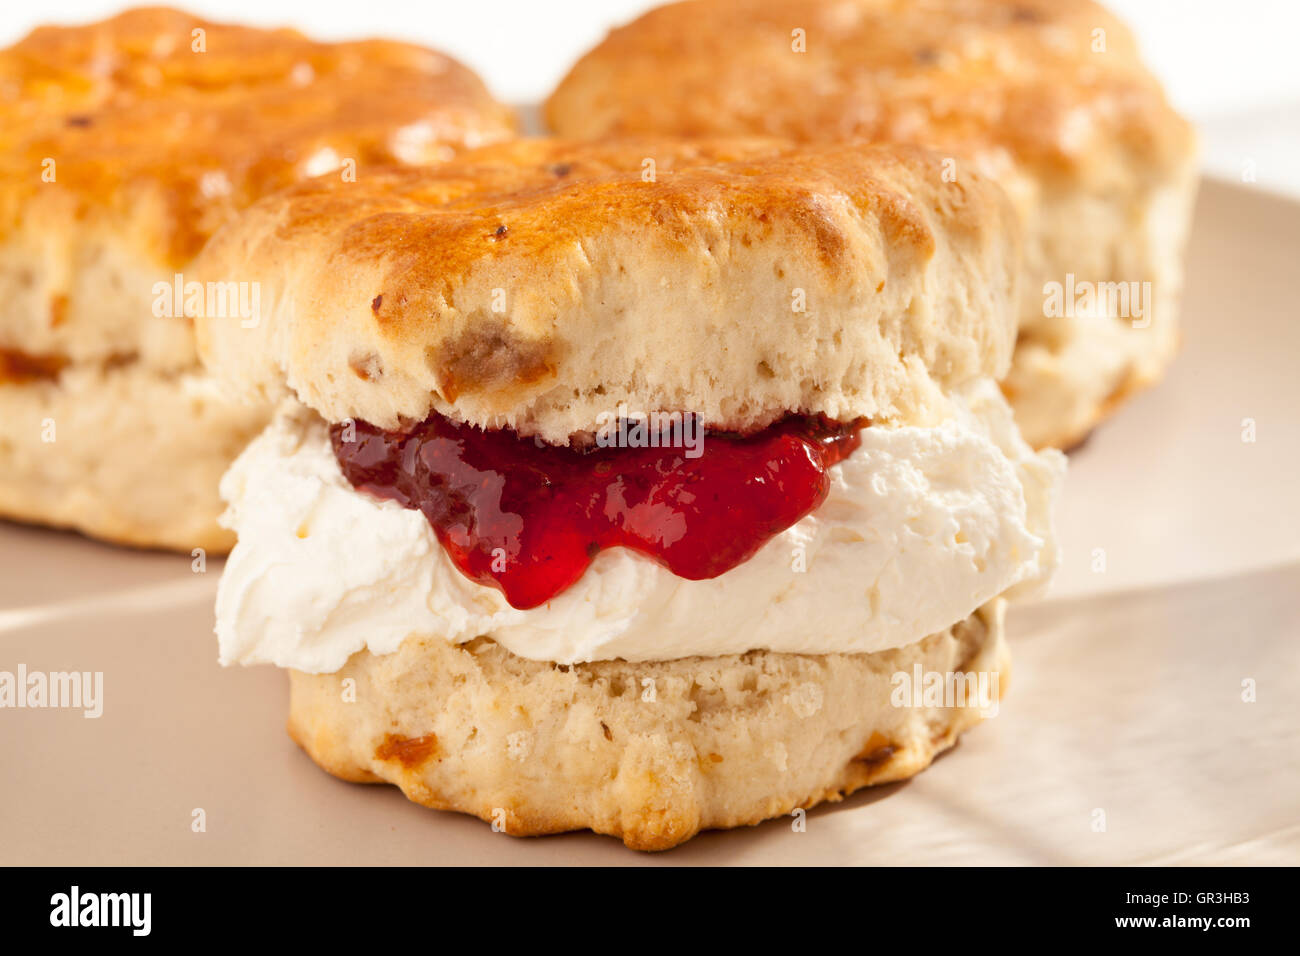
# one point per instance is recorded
(1048, 96)
(124, 144)
(624, 486)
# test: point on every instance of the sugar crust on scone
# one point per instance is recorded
(651, 753)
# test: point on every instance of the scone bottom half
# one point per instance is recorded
(538, 748)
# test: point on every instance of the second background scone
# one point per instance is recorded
(1047, 96)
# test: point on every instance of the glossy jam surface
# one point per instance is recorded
(528, 518)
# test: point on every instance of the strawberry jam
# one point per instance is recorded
(528, 518)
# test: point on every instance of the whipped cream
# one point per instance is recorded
(921, 527)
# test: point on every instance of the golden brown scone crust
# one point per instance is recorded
(539, 283)
(651, 753)
(1019, 76)
(123, 146)
(134, 114)
(155, 145)
(1047, 96)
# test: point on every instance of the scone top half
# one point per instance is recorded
(125, 143)
(466, 335)
(536, 285)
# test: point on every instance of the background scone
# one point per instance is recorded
(123, 145)
(452, 348)
(1049, 96)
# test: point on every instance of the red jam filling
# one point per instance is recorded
(528, 518)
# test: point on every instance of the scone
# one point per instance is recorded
(640, 486)
(1048, 96)
(123, 145)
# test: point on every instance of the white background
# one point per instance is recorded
(1232, 65)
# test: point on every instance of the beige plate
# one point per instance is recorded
(1126, 707)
